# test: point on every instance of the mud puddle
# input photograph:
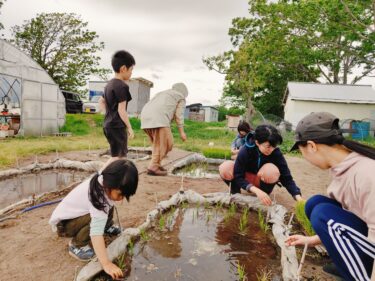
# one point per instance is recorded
(25, 186)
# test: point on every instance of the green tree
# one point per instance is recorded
(63, 46)
(315, 40)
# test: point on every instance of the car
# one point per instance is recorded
(92, 106)
(73, 102)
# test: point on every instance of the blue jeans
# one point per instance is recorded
(344, 235)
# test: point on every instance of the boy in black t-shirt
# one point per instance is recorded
(116, 125)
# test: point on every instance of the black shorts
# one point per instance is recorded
(118, 141)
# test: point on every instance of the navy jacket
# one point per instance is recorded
(250, 159)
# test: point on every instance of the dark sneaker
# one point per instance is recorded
(156, 173)
(331, 268)
(85, 253)
(161, 168)
(113, 230)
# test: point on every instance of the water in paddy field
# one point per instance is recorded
(25, 186)
(199, 170)
(205, 244)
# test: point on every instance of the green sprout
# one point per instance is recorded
(241, 272)
(262, 222)
(144, 236)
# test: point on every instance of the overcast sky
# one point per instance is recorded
(168, 38)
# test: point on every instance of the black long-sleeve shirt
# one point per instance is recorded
(250, 159)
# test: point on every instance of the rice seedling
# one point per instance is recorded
(262, 222)
(206, 204)
(230, 212)
(244, 221)
(121, 261)
(264, 275)
(131, 247)
(144, 236)
(232, 208)
(241, 272)
(219, 205)
(184, 205)
(302, 218)
(162, 222)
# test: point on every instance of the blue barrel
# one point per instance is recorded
(362, 130)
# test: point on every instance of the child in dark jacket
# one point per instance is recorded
(243, 129)
(259, 166)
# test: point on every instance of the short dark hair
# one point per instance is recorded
(244, 126)
(121, 58)
(264, 133)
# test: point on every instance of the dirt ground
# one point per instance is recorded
(29, 250)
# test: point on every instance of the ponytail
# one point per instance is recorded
(96, 194)
(360, 148)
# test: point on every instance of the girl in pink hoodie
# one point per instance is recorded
(344, 221)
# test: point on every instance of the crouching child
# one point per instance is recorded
(86, 213)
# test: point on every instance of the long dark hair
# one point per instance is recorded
(360, 148)
(120, 174)
(264, 133)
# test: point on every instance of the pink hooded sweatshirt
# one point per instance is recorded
(353, 185)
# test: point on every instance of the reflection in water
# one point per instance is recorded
(202, 247)
(22, 187)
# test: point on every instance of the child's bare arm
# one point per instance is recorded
(125, 118)
(101, 252)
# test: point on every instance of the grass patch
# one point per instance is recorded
(220, 153)
(212, 139)
(302, 218)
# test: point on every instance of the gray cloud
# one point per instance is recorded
(166, 37)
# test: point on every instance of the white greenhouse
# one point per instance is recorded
(31, 103)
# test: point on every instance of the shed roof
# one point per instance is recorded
(330, 93)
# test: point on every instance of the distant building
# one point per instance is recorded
(139, 89)
(347, 102)
(199, 112)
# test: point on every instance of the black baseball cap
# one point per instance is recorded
(315, 126)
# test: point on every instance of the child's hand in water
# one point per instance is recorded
(113, 270)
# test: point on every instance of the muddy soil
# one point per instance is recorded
(29, 250)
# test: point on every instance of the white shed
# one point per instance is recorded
(30, 101)
(211, 114)
(139, 89)
(347, 102)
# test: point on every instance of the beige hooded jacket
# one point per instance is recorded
(353, 185)
(164, 107)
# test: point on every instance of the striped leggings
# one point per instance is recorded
(344, 235)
